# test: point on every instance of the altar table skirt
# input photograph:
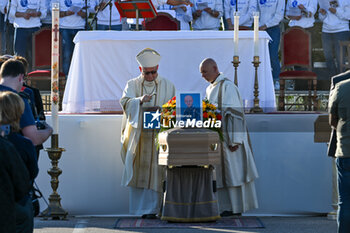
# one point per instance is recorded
(189, 195)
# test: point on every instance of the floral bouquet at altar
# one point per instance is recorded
(210, 114)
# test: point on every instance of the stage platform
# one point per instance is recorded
(295, 173)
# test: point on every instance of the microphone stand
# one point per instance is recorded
(110, 15)
(86, 18)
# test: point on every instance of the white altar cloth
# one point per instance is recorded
(295, 174)
(103, 62)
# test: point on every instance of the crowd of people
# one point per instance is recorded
(21, 140)
(21, 19)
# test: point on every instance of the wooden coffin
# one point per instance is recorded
(189, 146)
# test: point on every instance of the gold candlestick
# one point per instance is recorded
(256, 108)
(236, 64)
(54, 210)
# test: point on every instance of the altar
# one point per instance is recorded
(103, 62)
(295, 174)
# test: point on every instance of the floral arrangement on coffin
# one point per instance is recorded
(210, 113)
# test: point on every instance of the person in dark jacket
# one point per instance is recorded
(12, 107)
(14, 184)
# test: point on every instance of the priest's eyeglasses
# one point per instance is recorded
(150, 72)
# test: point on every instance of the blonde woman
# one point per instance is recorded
(12, 108)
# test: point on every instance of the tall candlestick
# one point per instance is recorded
(54, 66)
(256, 33)
(235, 33)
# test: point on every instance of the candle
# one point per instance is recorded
(256, 33)
(54, 66)
(235, 33)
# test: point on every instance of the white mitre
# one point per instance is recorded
(148, 58)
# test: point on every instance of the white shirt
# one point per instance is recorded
(23, 6)
(339, 21)
(271, 12)
(3, 4)
(304, 22)
(206, 21)
(72, 21)
(245, 9)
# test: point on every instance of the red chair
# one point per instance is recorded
(40, 77)
(162, 22)
(296, 51)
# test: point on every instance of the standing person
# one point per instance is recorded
(237, 172)
(245, 8)
(271, 14)
(335, 28)
(139, 153)
(72, 20)
(206, 14)
(12, 74)
(27, 15)
(301, 13)
(332, 145)
(9, 30)
(3, 4)
(14, 184)
(12, 109)
(339, 112)
(104, 16)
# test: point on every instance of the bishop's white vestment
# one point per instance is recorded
(138, 150)
(237, 171)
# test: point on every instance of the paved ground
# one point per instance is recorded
(106, 224)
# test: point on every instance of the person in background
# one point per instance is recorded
(12, 107)
(335, 28)
(8, 30)
(245, 9)
(72, 20)
(27, 16)
(237, 172)
(301, 13)
(271, 14)
(142, 174)
(206, 14)
(339, 111)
